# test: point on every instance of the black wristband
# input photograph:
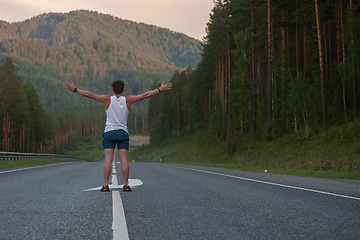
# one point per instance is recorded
(159, 89)
(75, 89)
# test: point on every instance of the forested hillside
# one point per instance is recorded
(268, 68)
(92, 49)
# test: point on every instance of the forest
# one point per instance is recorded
(92, 49)
(26, 126)
(268, 68)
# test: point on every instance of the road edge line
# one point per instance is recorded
(270, 183)
(28, 168)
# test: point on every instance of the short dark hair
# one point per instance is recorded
(118, 86)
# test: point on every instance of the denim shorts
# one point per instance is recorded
(119, 137)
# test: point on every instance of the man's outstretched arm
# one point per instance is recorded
(100, 98)
(133, 99)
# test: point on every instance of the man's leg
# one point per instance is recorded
(109, 155)
(123, 155)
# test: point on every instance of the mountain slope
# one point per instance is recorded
(93, 49)
(59, 29)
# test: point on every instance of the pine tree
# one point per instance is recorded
(321, 64)
(14, 112)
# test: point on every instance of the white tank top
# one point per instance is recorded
(117, 114)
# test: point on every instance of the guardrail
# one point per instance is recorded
(11, 157)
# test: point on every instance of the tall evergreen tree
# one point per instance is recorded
(14, 113)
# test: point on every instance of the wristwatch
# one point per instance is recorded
(75, 89)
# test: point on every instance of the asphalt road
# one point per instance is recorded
(176, 202)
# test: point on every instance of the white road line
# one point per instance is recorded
(28, 168)
(119, 226)
(270, 183)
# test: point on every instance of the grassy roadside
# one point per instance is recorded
(331, 154)
(86, 150)
(91, 150)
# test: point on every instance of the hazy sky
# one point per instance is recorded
(185, 16)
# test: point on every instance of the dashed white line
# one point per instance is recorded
(270, 183)
(119, 221)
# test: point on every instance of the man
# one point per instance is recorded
(116, 132)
